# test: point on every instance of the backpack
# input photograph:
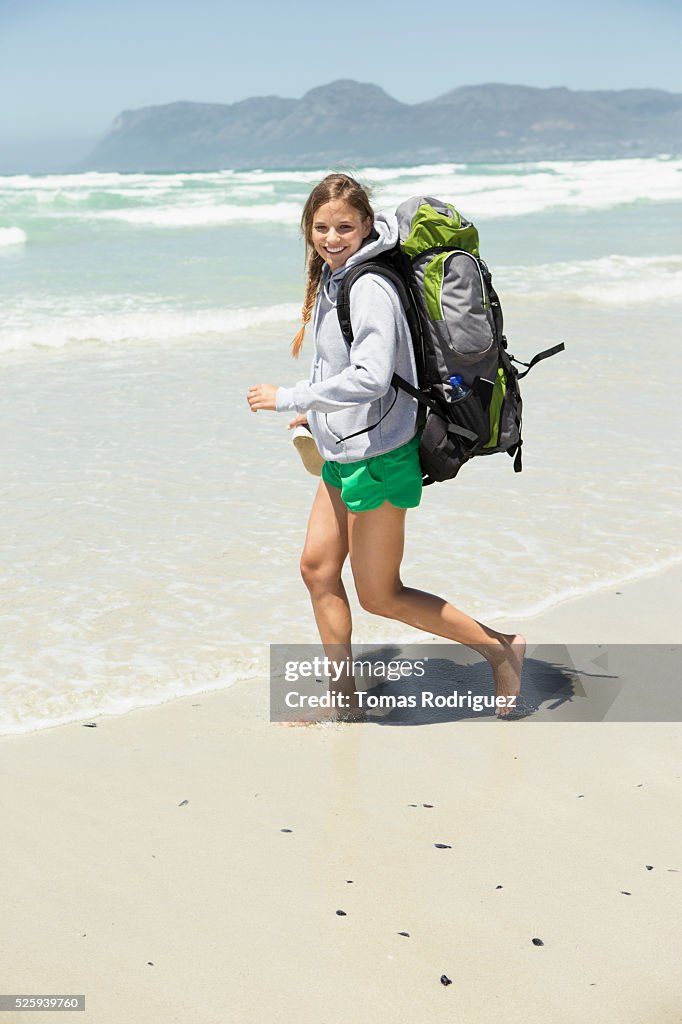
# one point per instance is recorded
(456, 326)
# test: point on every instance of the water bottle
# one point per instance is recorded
(458, 389)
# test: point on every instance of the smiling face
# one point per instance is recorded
(338, 231)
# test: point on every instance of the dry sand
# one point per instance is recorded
(145, 863)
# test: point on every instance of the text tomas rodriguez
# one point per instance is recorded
(426, 699)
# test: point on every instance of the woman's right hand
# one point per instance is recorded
(300, 421)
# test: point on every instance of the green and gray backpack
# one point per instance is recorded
(456, 325)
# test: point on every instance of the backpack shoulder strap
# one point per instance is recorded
(387, 271)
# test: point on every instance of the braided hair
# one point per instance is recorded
(334, 186)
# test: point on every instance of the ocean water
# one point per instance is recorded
(152, 525)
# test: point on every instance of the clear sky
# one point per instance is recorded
(68, 67)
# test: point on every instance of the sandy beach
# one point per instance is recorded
(190, 862)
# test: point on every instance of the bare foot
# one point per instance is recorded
(507, 674)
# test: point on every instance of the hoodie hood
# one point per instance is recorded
(383, 237)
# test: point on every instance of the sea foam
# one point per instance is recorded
(204, 216)
(611, 280)
(162, 326)
(12, 236)
(224, 198)
(483, 192)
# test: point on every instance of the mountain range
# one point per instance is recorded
(348, 122)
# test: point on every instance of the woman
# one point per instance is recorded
(370, 478)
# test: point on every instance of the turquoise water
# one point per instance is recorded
(153, 525)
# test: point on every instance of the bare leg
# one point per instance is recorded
(376, 544)
(324, 553)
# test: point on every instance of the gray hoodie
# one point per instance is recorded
(350, 389)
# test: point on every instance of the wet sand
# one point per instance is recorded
(196, 862)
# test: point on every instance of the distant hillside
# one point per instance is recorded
(349, 122)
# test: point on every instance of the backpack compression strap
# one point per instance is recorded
(545, 354)
(515, 376)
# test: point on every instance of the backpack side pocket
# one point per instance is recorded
(469, 413)
(496, 409)
(441, 454)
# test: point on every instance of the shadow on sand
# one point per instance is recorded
(457, 685)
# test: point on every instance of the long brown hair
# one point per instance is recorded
(334, 186)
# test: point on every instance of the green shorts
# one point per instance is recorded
(395, 477)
